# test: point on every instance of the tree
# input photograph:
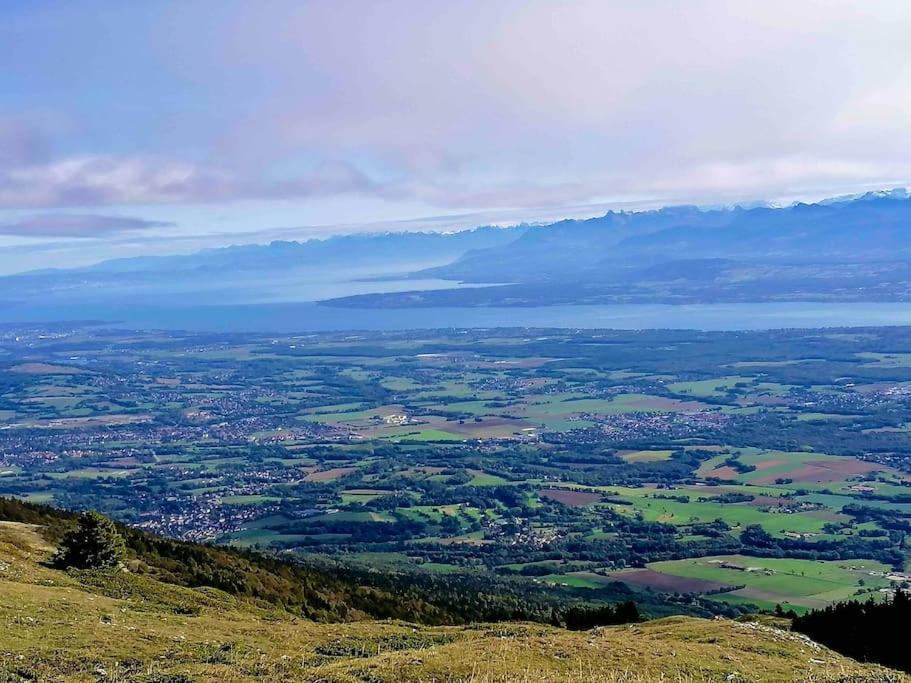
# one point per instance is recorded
(754, 535)
(95, 543)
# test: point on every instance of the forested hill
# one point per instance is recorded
(323, 590)
(123, 624)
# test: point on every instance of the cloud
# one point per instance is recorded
(77, 226)
(467, 104)
(473, 100)
(101, 180)
(93, 180)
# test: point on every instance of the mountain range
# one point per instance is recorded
(250, 273)
(847, 249)
(855, 250)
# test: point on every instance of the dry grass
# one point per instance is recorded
(68, 627)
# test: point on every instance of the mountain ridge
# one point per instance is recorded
(690, 232)
(853, 250)
(844, 250)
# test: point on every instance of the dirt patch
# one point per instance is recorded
(767, 501)
(330, 475)
(768, 464)
(572, 498)
(824, 471)
(646, 578)
(47, 369)
(723, 473)
(666, 404)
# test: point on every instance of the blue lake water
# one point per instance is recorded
(309, 317)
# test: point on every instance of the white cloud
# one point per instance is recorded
(99, 180)
(476, 104)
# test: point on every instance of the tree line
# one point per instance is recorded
(866, 631)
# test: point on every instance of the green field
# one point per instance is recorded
(769, 581)
(737, 515)
(645, 456)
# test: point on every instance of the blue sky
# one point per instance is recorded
(155, 127)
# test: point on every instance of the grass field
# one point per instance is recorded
(249, 500)
(769, 581)
(738, 515)
(710, 387)
(479, 478)
(645, 456)
(803, 469)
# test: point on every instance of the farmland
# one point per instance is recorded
(671, 463)
(799, 584)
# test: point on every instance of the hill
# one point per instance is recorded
(322, 589)
(124, 625)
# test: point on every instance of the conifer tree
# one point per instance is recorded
(95, 543)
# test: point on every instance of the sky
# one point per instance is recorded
(160, 127)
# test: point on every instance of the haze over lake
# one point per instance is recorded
(310, 317)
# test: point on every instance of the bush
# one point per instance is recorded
(95, 543)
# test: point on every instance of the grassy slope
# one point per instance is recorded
(71, 627)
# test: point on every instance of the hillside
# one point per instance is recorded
(124, 626)
(322, 590)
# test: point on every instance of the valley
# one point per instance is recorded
(86, 626)
(695, 472)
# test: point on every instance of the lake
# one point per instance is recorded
(309, 317)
